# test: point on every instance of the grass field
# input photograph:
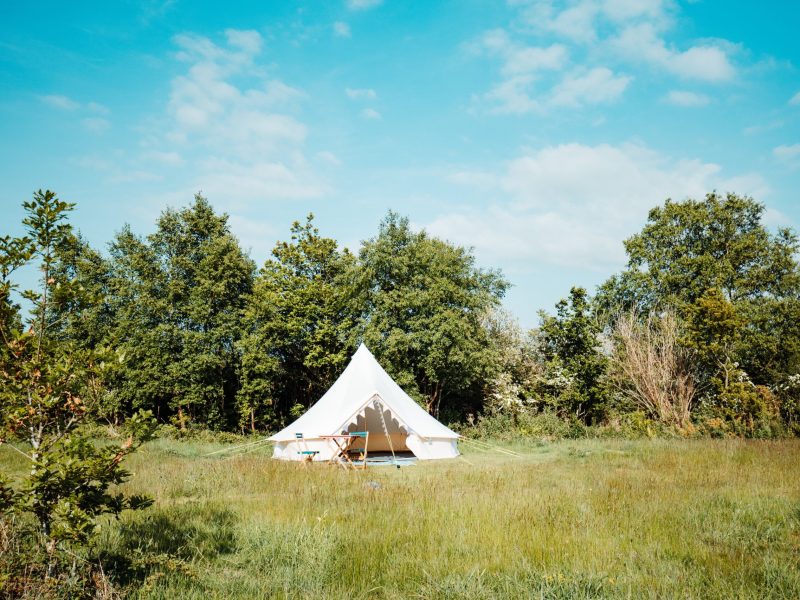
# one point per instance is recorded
(571, 519)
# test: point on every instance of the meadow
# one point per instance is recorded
(568, 519)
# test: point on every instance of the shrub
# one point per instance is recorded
(199, 434)
(652, 369)
(536, 425)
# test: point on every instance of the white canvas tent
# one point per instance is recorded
(357, 400)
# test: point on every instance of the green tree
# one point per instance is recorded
(714, 332)
(14, 253)
(687, 248)
(518, 370)
(422, 301)
(84, 318)
(48, 390)
(177, 298)
(720, 242)
(298, 320)
(570, 346)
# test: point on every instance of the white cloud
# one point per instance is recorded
(577, 88)
(329, 157)
(254, 236)
(684, 98)
(245, 183)
(59, 101)
(788, 154)
(773, 218)
(599, 85)
(98, 108)
(627, 32)
(481, 179)
(513, 96)
(341, 29)
(96, 124)
(531, 59)
(116, 169)
(361, 94)
(521, 69)
(371, 114)
(641, 43)
(795, 100)
(170, 159)
(519, 59)
(363, 4)
(762, 127)
(581, 21)
(709, 63)
(572, 205)
(248, 41)
(576, 23)
(208, 109)
(95, 163)
(136, 176)
(625, 10)
(231, 126)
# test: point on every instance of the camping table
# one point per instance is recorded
(344, 443)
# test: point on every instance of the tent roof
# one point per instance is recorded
(348, 396)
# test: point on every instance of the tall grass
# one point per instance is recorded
(572, 519)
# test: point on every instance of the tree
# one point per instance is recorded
(570, 345)
(714, 332)
(84, 318)
(14, 253)
(298, 322)
(422, 301)
(651, 367)
(517, 371)
(719, 243)
(177, 299)
(48, 389)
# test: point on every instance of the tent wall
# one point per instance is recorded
(291, 450)
(432, 448)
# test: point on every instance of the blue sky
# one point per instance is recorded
(539, 132)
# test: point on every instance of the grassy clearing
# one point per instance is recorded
(574, 519)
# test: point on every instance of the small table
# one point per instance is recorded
(344, 445)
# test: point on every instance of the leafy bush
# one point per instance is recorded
(539, 425)
(27, 569)
(631, 425)
(788, 398)
(741, 409)
(199, 434)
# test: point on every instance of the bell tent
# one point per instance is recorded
(366, 398)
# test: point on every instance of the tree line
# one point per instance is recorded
(198, 335)
(701, 330)
(698, 335)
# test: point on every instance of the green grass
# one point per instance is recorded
(573, 519)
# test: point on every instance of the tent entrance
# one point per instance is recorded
(369, 419)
